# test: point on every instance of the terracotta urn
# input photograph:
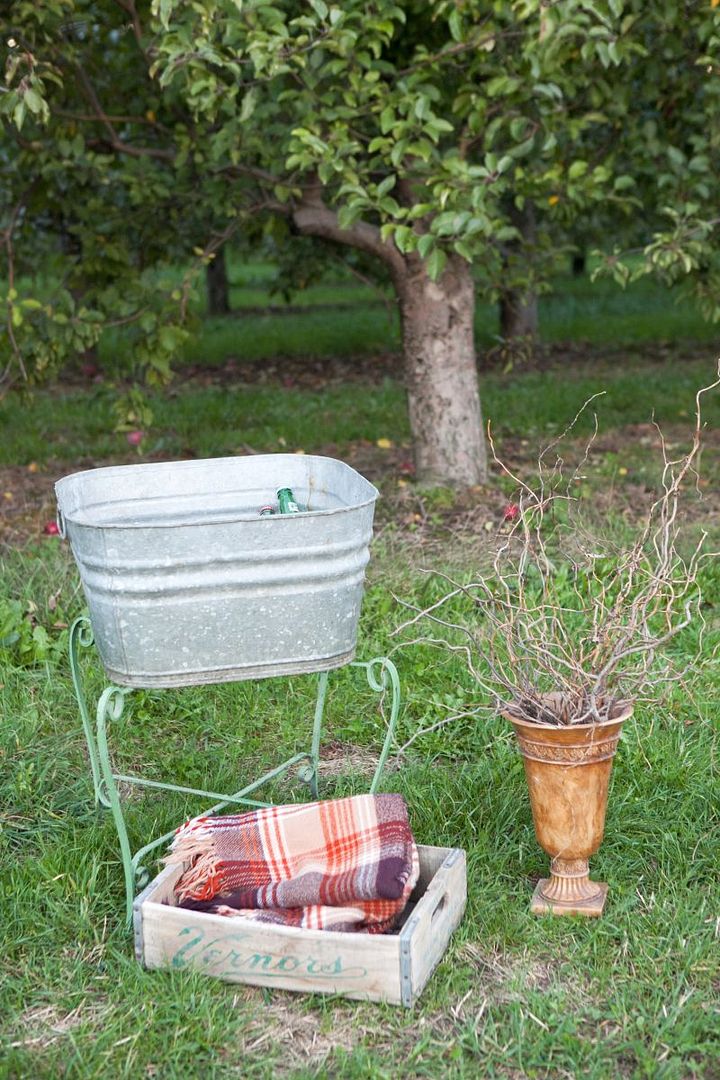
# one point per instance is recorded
(568, 771)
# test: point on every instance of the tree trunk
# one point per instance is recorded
(578, 264)
(441, 373)
(519, 307)
(438, 347)
(218, 293)
(518, 315)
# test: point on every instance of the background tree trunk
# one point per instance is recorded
(519, 307)
(441, 373)
(518, 315)
(578, 263)
(218, 292)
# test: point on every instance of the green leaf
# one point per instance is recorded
(19, 114)
(444, 224)
(163, 8)
(387, 119)
(170, 337)
(390, 206)
(387, 185)
(422, 107)
(577, 169)
(41, 642)
(320, 8)
(436, 263)
(502, 85)
(438, 124)
(403, 238)
(248, 105)
(398, 152)
(603, 52)
(463, 249)
(348, 215)
(34, 101)
(426, 243)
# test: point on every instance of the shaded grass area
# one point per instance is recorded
(575, 308)
(365, 319)
(579, 310)
(634, 994)
(237, 417)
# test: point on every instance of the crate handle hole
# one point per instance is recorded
(440, 906)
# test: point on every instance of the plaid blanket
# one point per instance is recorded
(343, 864)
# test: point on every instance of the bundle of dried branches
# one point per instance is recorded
(567, 625)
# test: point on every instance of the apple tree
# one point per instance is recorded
(450, 141)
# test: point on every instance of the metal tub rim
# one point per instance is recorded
(197, 463)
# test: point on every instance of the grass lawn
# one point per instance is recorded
(577, 310)
(634, 994)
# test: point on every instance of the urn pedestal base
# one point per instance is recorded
(569, 890)
(590, 908)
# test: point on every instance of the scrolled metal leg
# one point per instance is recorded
(81, 635)
(309, 773)
(110, 705)
(382, 675)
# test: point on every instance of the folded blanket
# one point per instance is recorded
(343, 864)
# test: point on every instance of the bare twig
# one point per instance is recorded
(554, 632)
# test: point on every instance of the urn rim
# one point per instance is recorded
(625, 710)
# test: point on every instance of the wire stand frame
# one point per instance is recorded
(381, 676)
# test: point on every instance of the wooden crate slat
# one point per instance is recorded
(381, 967)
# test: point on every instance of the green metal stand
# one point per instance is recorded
(381, 675)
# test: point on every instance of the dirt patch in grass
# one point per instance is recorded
(27, 503)
(43, 1025)
(573, 359)
(503, 977)
(338, 759)
(620, 476)
(305, 1037)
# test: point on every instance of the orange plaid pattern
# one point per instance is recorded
(342, 864)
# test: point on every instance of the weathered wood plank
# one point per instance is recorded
(438, 914)
(265, 955)
(361, 966)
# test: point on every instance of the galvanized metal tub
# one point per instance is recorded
(187, 584)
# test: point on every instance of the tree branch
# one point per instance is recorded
(313, 218)
(7, 239)
(115, 141)
(128, 6)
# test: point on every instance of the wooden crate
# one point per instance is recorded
(383, 967)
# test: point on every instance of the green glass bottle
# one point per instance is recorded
(286, 502)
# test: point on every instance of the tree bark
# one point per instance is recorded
(218, 292)
(519, 307)
(578, 264)
(441, 373)
(518, 315)
(438, 348)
